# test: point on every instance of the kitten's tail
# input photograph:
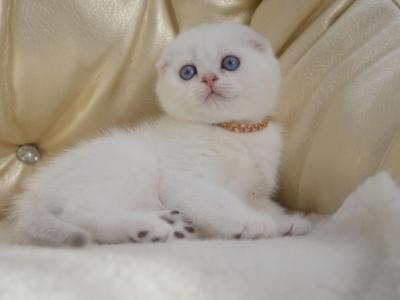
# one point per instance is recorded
(43, 227)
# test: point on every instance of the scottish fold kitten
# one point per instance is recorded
(208, 167)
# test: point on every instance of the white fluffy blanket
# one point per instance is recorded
(353, 255)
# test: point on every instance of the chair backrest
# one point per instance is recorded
(70, 69)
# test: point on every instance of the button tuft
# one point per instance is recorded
(28, 154)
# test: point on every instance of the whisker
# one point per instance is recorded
(197, 92)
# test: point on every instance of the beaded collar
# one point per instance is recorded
(244, 127)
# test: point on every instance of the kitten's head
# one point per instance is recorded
(219, 72)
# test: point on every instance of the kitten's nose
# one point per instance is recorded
(209, 79)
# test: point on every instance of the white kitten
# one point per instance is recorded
(136, 185)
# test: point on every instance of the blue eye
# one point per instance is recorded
(187, 72)
(230, 63)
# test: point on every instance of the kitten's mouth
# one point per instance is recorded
(213, 94)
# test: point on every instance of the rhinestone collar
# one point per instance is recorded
(244, 127)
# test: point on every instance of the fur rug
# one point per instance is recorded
(355, 254)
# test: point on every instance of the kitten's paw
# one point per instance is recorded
(294, 225)
(154, 230)
(160, 226)
(181, 226)
(256, 229)
(252, 226)
(166, 226)
(146, 228)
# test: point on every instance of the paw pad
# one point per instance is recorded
(182, 227)
(179, 235)
(189, 229)
(142, 234)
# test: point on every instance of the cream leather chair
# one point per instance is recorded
(70, 69)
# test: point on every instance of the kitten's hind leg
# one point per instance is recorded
(122, 226)
(218, 212)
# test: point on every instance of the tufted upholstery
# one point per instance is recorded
(70, 69)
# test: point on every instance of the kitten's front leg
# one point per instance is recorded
(217, 212)
(292, 224)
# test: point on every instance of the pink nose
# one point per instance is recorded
(209, 79)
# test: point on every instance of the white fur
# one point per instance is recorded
(354, 255)
(111, 188)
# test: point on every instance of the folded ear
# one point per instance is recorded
(162, 62)
(260, 43)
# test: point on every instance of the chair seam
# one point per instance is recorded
(388, 150)
(396, 4)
